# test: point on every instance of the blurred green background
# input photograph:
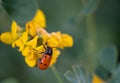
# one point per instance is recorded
(93, 24)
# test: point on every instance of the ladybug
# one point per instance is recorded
(45, 60)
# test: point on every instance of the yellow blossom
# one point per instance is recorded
(55, 55)
(47, 38)
(27, 51)
(40, 19)
(40, 49)
(43, 34)
(37, 22)
(30, 56)
(56, 39)
(6, 38)
(10, 37)
(67, 39)
(31, 60)
(64, 40)
(33, 42)
(15, 29)
(31, 29)
(31, 52)
(21, 41)
(97, 79)
(34, 38)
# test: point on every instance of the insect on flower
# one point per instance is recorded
(44, 62)
(27, 40)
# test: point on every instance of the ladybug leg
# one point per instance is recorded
(38, 61)
(37, 51)
(41, 52)
(44, 47)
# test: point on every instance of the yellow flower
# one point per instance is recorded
(21, 41)
(48, 38)
(40, 19)
(10, 37)
(30, 45)
(37, 22)
(6, 38)
(31, 53)
(27, 51)
(97, 79)
(55, 55)
(15, 29)
(31, 59)
(31, 41)
(56, 39)
(32, 56)
(64, 40)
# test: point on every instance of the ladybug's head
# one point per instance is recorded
(48, 50)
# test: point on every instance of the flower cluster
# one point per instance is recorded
(31, 39)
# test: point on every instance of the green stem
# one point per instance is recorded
(91, 43)
(91, 30)
(59, 79)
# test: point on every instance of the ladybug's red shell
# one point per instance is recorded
(44, 62)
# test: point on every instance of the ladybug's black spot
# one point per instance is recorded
(45, 56)
(40, 63)
(45, 64)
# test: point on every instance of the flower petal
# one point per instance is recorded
(55, 55)
(30, 62)
(40, 49)
(33, 42)
(67, 39)
(30, 28)
(6, 38)
(52, 42)
(14, 30)
(64, 40)
(40, 19)
(26, 51)
(21, 41)
(96, 79)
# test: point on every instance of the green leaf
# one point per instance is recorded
(108, 59)
(20, 10)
